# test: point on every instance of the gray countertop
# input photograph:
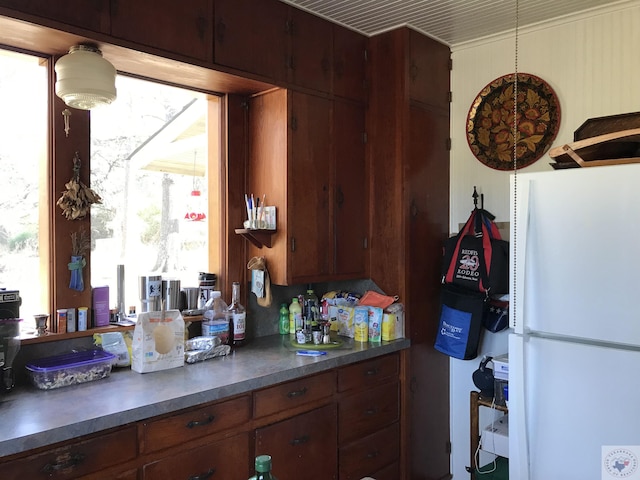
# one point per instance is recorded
(32, 418)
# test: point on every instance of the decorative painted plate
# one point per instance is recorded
(490, 121)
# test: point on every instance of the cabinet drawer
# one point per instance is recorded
(224, 460)
(195, 423)
(370, 455)
(365, 412)
(75, 459)
(368, 373)
(303, 446)
(293, 394)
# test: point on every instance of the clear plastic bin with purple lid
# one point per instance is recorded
(70, 368)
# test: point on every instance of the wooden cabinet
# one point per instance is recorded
(253, 37)
(92, 15)
(184, 28)
(306, 153)
(223, 460)
(77, 458)
(350, 51)
(302, 446)
(368, 419)
(409, 164)
(158, 434)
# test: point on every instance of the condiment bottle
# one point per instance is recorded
(238, 316)
(295, 316)
(283, 323)
(263, 468)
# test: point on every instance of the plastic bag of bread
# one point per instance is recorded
(158, 341)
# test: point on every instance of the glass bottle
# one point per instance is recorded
(238, 316)
(283, 323)
(263, 468)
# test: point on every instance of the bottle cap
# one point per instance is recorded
(216, 294)
(263, 463)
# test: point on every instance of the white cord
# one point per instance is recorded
(476, 455)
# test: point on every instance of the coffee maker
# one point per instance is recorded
(10, 302)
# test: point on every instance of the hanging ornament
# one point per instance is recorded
(77, 199)
(195, 211)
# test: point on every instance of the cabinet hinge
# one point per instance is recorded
(366, 55)
(448, 447)
(448, 144)
(244, 104)
(450, 96)
(450, 63)
(365, 242)
(364, 137)
(294, 123)
(293, 244)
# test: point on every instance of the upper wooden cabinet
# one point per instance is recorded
(350, 51)
(89, 14)
(429, 65)
(306, 154)
(252, 36)
(184, 28)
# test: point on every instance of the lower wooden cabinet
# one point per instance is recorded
(371, 454)
(76, 458)
(303, 446)
(223, 460)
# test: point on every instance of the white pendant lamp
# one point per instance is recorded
(84, 79)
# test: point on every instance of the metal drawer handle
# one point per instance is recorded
(371, 411)
(297, 393)
(299, 441)
(200, 423)
(67, 461)
(373, 371)
(203, 476)
(373, 454)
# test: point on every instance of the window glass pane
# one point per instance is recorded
(24, 224)
(149, 163)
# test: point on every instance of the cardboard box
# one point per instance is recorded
(101, 306)
(392, 325)
(501, 367)
(375, 324)
(495, 437)
(344, 320)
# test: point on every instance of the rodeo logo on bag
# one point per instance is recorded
(468, 265)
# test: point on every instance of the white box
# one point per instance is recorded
(501, 367)
(495, 437)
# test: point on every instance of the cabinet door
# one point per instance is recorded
(309, 199)
(349, 64)
(351, 187)
(224, 460)
(184, 27)
(76, 458)
(429, 70)
(252, 36)
(311, 51)
(90, 14)
(303, 446)
(375, 455)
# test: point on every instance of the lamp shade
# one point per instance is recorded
(84, 79)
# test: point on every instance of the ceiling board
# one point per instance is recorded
(449, 21)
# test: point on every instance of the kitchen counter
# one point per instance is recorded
(33, 418)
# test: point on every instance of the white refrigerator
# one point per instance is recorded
(574, 352)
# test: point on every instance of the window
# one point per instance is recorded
(24, 196)
(149, 158)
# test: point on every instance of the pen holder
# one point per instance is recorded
(255, 224)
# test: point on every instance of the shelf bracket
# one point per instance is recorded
(259, 238)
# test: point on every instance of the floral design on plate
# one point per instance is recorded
(490, 121)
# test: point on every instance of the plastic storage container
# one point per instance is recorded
(70, 368)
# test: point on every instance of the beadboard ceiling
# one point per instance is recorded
(449, 21)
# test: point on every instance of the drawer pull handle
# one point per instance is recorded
(372, 372)
(299, 441)
(373, 454)
(297, 393)
(371, 411)
(203, 476)
(200, 423)
(65, 462)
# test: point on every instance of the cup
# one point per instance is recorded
(190, 298)
(41, 324)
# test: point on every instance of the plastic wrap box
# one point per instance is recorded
(70, 368)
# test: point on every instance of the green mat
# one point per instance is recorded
(500, 473)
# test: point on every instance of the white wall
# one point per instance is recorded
(592, 61)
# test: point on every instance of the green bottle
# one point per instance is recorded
(283, 324)
(263, 468)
